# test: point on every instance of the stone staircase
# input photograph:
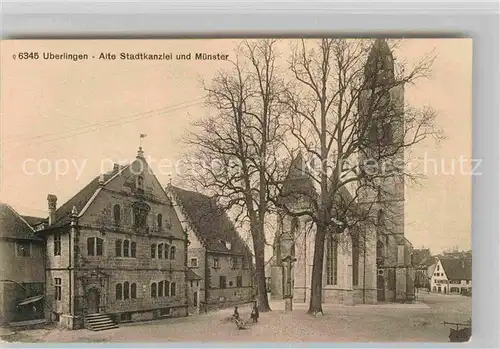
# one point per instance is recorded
(99, 322)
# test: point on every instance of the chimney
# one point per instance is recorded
(52, 203)
(101, 179)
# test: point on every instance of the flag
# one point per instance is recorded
(143, 135)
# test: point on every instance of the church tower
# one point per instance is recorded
(382, 106)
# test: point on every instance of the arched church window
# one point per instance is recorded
(331, 260)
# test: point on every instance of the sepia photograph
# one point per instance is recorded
(236, 190)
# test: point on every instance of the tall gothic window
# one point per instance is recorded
(331, 260)
(355, 259)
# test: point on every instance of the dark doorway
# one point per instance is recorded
(380, 288)
(93, 301)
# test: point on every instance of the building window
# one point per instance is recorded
(159, 220)
(167, 288)
(245, 263)
(239, 281)
(118, 248)
(355, 259)
(58, 288)
(216, 263)
(57, 244)
(23, 249)
(126, 248)
(95, 246)
(133, 290)
(222, 282)
(126, 290)
(90, 246)
(160, 289)
(166, 249)
(234, 262)
(118, 291)
(331, 260)
(438, 268)
(99, 246)
(153, 290)
(172, 289)
(153, 251)
(117, 213)
(160, 251)
(193, 263)
(133, 248)
(172, 252)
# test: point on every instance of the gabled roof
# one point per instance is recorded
(211, 224)
(80, 199)
(298, 180)
(14, 226)
(192, 276)
(31, 220)
(457, 269)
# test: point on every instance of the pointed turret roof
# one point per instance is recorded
(380, 59)
(298, 180)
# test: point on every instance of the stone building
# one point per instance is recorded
(216, 252)
(22, 269)
(368, 263)
(115, 249)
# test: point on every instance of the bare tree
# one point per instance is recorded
(350, 124)
(235, 148)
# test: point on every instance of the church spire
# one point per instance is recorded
(379, 66)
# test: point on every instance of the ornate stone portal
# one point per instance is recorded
(95, 286)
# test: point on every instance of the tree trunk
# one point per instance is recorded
(260, 277)
(315, 303)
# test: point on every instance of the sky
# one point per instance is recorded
(64, 122)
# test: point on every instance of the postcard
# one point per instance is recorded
(240, 190)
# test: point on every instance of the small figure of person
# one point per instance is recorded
(255, 312)
(236, 314)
